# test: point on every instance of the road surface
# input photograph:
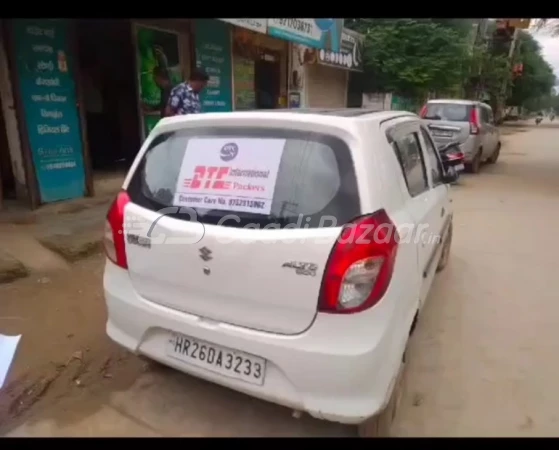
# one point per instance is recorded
(483, 360)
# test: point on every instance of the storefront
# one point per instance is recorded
(326, 72)
(86, 93)
(326, 86)
(163, 59)
(259, 70)
(80, 96)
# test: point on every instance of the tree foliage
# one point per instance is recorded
(415, 57)
(487, 73)
(411, 56)
(537, 79)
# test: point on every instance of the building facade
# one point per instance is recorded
(319, 77)
(80, 96)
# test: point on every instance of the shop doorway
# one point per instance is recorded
(107, 72)
(7, 179)
(267, 80)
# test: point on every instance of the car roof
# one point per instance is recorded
(453, 100)
(322, 115)
(340, 112)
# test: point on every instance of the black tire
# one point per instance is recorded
(475, 165)
(380, 425)
(495, 155)
(445, 254)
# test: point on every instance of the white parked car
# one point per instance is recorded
(283, 254)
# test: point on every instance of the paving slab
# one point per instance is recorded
(74, 245)
(11, 268)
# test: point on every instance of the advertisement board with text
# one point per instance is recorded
(45, 70)
(213, 54)
(231, 174)
(323, 34)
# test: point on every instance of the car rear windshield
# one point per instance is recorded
(315, 183)
(451, 112)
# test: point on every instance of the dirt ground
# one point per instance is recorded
(482, 361)
(64, 352)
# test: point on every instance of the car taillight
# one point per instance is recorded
(360, 265)
(423, 111)
(113, 240)
(474, 122)
(457, 155)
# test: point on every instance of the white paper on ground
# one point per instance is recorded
(8, 346)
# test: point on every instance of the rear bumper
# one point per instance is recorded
(331, 371)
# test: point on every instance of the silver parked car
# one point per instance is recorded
(468, 122)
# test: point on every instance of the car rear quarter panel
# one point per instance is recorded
(470, 147)
(385, 187)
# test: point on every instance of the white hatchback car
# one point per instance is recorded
(283, 254)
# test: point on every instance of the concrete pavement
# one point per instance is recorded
(46, 239)
(483, 360)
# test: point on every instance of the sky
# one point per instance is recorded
(550, 50)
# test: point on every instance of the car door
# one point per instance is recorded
(439, 191)
(421, 201)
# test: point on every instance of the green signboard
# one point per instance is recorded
(213, 54)
(45, 71)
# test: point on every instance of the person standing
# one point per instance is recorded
(185, 97)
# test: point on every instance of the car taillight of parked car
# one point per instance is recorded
(113, 239)
(360, 265)
(474, 122)
(455, 156)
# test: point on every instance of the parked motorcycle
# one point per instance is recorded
(539, 120)
(452, 157)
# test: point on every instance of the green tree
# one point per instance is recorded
(411, 57)
(486, 73)
(536, 82)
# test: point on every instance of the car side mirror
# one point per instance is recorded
(450, 175)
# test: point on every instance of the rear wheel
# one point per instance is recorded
(380, 425)
(474, 166)
(495, 156)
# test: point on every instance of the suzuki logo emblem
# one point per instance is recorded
(205, 253)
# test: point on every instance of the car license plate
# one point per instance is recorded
(459, 167)
(222, 360)
(441, 133)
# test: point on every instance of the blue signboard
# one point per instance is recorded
(48, 94)
(213, 54)
(325, 34)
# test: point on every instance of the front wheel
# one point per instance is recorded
(380, 425)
